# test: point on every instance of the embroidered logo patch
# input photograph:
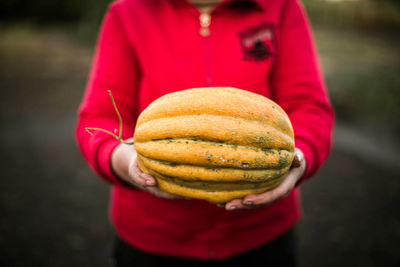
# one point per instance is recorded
(258, 42)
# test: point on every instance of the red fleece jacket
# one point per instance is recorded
(152, 47)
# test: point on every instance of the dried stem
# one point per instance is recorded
(119, 136)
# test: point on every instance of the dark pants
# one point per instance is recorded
(279, 252)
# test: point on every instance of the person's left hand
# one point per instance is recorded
(252, 201)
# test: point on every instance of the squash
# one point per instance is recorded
(214, 143)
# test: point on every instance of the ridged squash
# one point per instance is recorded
(214, 143)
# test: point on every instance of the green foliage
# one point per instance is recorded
(362, 73)
(43, 11)
(358, 42)
(81, 17)
(87, 28)
(365, 14)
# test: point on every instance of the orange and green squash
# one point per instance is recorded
(214, 143)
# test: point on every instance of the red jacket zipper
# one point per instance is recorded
(205, 22)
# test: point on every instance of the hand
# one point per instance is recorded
(252, 201)
(124, 164)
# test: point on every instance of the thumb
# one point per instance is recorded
(298, 158)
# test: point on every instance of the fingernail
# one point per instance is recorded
(149, 182)
(232, 207)
(248, 201)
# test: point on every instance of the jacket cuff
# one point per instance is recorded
(104, 159)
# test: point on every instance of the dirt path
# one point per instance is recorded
(379, 149)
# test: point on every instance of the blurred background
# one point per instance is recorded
(54, 209)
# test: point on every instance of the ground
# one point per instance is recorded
(54, 209)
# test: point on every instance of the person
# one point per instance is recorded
(149, 48)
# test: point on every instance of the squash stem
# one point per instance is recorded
(119, 136)
(118, 114)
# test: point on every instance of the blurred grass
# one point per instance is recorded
(358, 42)
(361, 14)
(78, 18)
(40, 70)
(362, 73)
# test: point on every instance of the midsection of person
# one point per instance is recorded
(173, 54)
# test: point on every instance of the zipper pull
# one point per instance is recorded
(205, 21)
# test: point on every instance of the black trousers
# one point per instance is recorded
(278, 252)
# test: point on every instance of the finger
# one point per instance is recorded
(296, 161)
(235, 204)
(162, 194)
(270, 196)
(149, 180)
(298, 158)
(140, 178)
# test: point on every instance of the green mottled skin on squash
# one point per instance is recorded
(214, 143)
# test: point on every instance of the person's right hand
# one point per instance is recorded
(124, 165)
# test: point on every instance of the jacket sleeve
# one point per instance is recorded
(299, 88)
(114, 68)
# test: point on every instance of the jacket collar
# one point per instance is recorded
(259, 3)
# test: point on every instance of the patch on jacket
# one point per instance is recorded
(258, 42)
